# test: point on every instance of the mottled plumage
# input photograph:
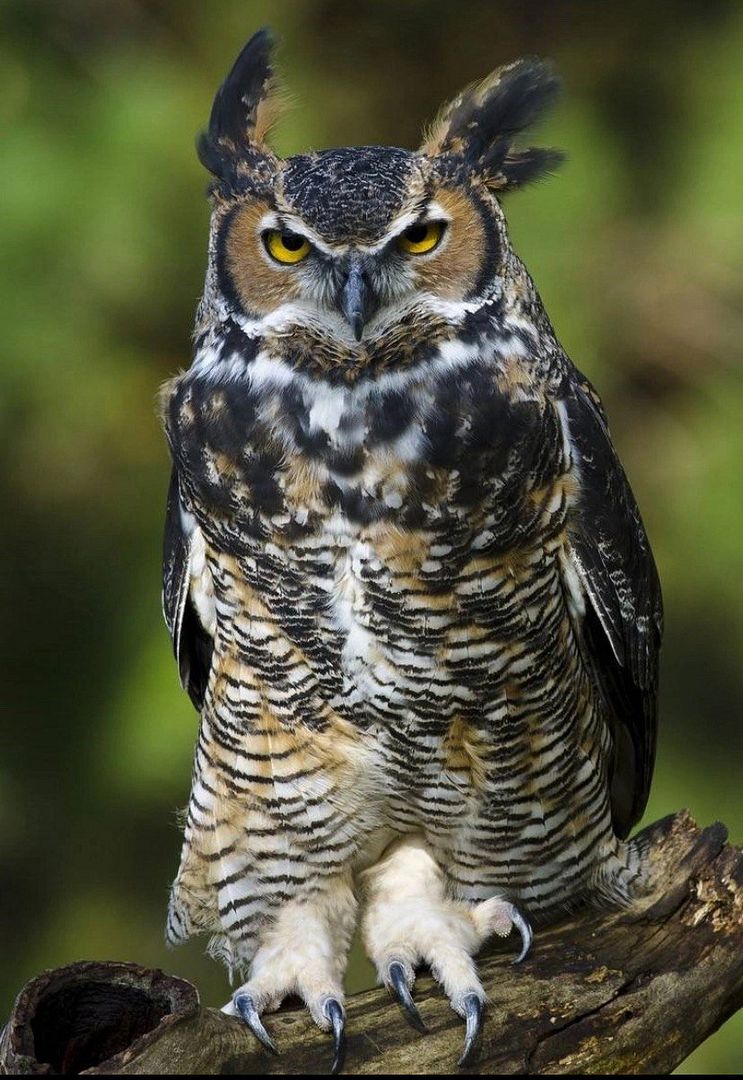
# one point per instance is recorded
(406, 579)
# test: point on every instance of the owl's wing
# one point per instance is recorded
(192, 643)
(623, 618)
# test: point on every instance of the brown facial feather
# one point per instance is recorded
(452, 270)
(261, 286)
(321, 355)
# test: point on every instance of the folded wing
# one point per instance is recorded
(192, 641)
(622, 626)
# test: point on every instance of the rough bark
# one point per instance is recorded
(629, 992)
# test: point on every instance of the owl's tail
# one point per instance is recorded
(214, 881)
(192, 908)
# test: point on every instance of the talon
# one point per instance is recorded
(246, 1007)
(473, 1016)
(398, 986)
(524, 929)
(337, 1017)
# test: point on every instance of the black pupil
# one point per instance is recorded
(291, 241)
(416, 234)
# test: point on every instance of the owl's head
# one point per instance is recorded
(352, 244)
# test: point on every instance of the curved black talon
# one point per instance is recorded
(246, 1007)
(337, 1017)
(524, 929)
(473, 1016)
(398, 986)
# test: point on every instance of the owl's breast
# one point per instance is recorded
(454, 452)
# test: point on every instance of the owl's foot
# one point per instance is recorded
(332, 1016)
(303, 952)
(409, 920)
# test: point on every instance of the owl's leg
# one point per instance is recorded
(303, 951)
(409, 919)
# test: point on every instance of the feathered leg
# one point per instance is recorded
(409, 920)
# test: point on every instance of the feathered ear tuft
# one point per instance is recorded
(480, 125)
(245, 108)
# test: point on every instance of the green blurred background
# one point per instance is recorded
(636, 246)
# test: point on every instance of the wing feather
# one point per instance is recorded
(623, 623)
(192, 642)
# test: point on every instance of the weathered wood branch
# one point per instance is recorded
(630, 991)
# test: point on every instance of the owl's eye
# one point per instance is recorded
(286, 247)
(421, 238)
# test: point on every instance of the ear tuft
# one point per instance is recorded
(245, 108)
(523, 166)
(480, 125)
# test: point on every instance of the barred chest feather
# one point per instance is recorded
(388, 527)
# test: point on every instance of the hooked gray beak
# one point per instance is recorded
(357, 300)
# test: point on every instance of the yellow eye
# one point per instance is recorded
(286, 247)
(422, 238)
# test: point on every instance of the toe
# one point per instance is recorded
(523, 927)
(473, 1010)
(335, 1013)
(498, 916)
(246, 1007)
(399, 982)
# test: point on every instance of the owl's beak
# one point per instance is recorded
(357, 301)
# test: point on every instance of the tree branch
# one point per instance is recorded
(631, 991)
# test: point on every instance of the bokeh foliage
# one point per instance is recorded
(637, 247)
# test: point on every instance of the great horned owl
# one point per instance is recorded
(407, 582)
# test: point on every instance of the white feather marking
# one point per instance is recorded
(407, 447)
(327, 409)
(188, 521)
(206, 360)
(439, 550)
(567, 444)
(482, 539)
(265, 370)
(201, 589)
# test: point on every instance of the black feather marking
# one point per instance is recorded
(233, 116)
(389, 416)
(195, 659)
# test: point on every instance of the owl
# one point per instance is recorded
(406, 580)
